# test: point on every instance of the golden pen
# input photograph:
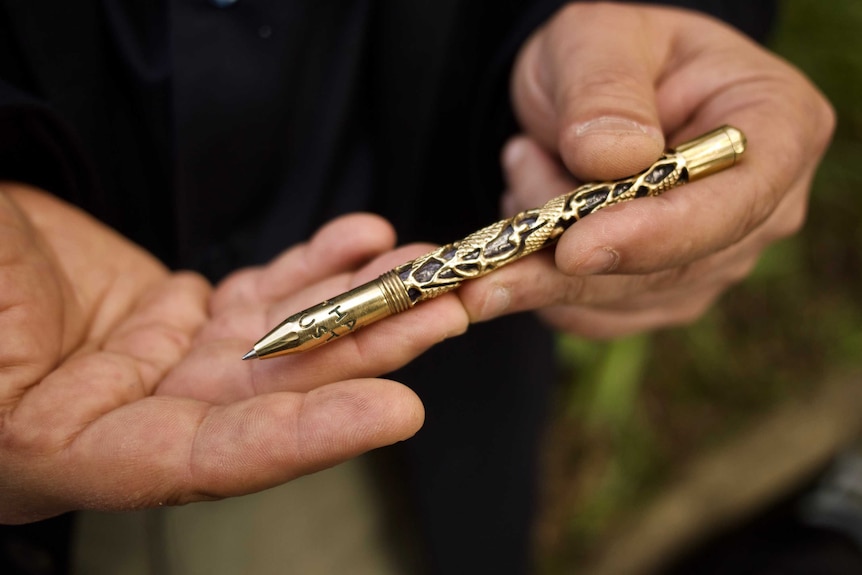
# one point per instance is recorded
(484, 251)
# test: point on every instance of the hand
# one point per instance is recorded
(121, 384)
(596, 90)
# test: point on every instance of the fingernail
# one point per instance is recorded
(600, 261)
(497, 302)
(617, 126)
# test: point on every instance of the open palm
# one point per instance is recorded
(121, 384)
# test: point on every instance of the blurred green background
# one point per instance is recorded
(634, 410)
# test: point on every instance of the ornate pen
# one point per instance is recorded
(482, 252)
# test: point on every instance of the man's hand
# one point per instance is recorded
(596, 90)
(121, 384)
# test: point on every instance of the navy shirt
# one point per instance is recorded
(268, 104)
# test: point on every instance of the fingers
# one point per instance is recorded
(607, 306)
(606, 324)
(656, 234)
(532, 176)
(162, 451)
(283, 436)
(700, 218)
(341, 245)
(584, 88)
(213, 371)
(613, 305)
(689, 74)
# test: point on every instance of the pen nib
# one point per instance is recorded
(250, 355)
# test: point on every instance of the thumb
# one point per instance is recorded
(584, 87)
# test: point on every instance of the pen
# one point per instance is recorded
(482, 252)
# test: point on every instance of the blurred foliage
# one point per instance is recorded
(636, 409)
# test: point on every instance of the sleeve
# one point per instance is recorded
(495, 120)
(84, 111)
(37, 148)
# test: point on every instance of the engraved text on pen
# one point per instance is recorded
(342, 319)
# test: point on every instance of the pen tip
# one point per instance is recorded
(250, 355)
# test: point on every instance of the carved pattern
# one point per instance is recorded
(505, 241)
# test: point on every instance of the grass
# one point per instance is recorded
(636, 409)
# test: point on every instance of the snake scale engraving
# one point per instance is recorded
(503, 242)
(482, 252)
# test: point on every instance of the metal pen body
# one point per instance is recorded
(334, 318)
(492, 247)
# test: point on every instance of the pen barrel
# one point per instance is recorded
(494, 246)
(506, 241)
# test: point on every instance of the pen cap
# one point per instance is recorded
(712, 152)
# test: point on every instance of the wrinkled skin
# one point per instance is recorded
(595, 91)
(122, 386)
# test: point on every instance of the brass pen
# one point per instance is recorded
(482, 252)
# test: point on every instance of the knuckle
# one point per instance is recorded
(765, 195)
(575, 291)
(692, 311)
(816, 112)
(669, 279)
(788, 224)
(737, 272)
(24, 437)
(825, 120)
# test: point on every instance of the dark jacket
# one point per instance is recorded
(215, 137)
